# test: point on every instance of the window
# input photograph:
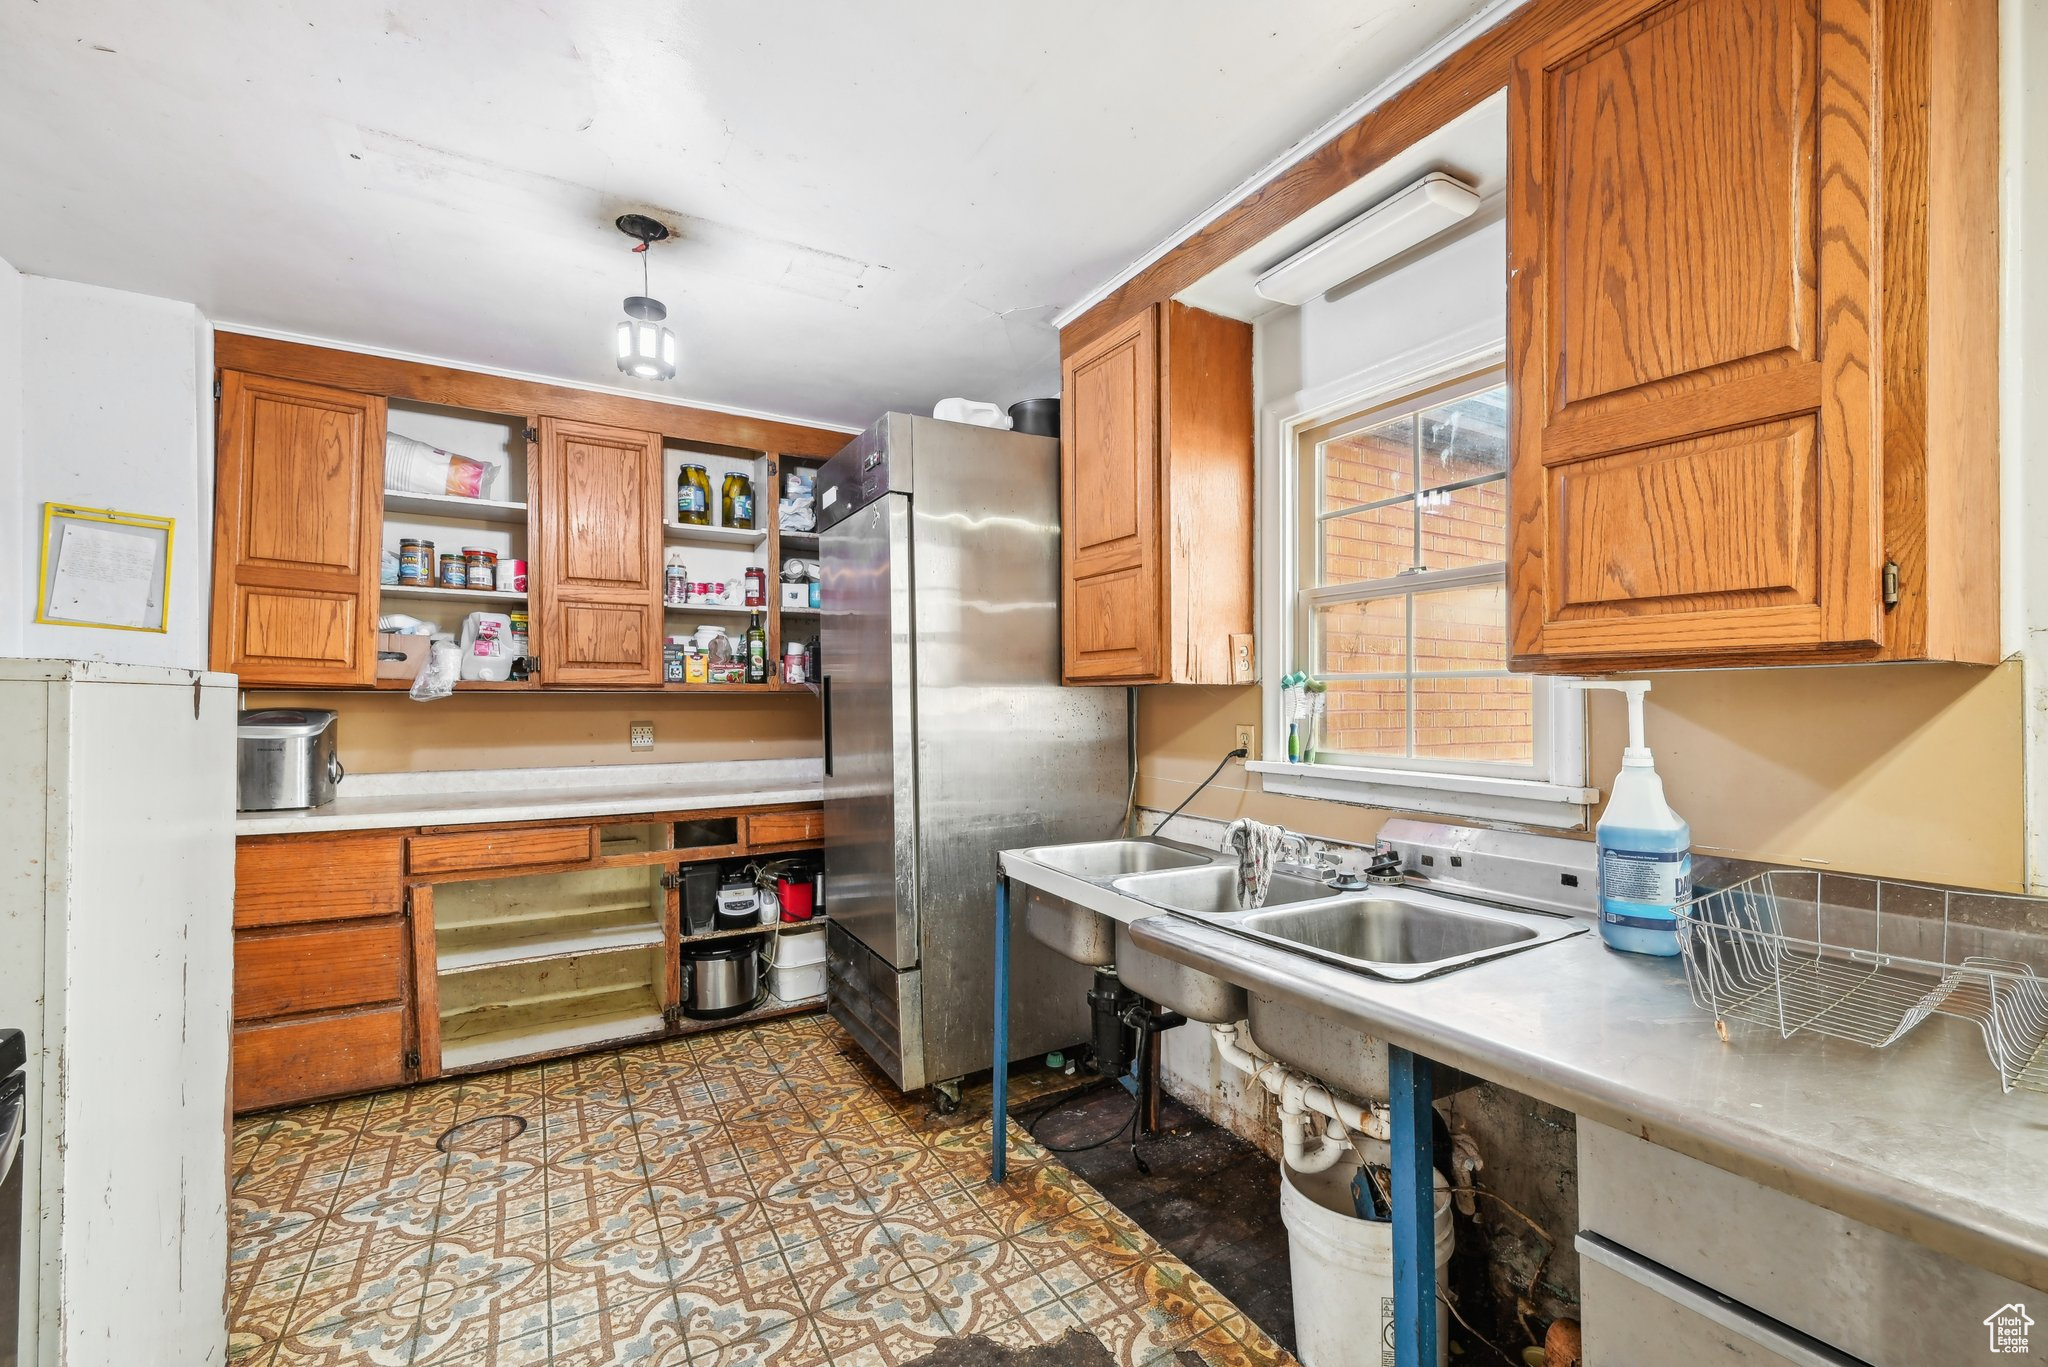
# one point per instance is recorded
(1390, 584)
(1403, 597)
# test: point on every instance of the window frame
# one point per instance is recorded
(1550, 790)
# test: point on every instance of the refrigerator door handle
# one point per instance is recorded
(13, 1124)
(825, 696)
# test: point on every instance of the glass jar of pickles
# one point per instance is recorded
(738, 501)
(693, 497)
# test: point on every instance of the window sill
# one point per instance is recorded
(1527, 802)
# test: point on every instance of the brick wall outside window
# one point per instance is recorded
(1486, 717)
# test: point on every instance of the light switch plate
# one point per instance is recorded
(643, 735)
(1248, 741)
(1243, 662)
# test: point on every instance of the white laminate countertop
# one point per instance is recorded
(463, 797)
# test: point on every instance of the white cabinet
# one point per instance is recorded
(117, 796)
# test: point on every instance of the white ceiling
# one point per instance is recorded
(880, 203)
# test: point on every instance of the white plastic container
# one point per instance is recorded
(799, 970)
(487, 649)
(1645, 847)
(1343, 1271)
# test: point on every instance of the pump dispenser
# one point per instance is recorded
(1645, 848)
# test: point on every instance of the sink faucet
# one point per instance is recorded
(1305, 856)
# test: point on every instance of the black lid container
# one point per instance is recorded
(1036, 417)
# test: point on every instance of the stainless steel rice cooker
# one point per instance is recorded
(722, 978)
(286, 758)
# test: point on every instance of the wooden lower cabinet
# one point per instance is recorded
(521, 847)
(367, 960)
(327, 968)
(323, 968)
(280, 1063)
(786, 828)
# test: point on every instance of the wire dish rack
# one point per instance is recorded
(1768, 952)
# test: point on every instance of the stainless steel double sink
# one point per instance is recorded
(1395, 932)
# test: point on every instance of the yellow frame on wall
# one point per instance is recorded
(54, 513)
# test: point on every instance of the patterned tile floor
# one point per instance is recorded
(758, 1197)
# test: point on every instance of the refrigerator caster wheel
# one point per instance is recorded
(945, 1097)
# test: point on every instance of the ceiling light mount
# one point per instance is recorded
(1407, 218)
(646, 347)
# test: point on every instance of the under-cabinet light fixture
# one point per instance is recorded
(646, 345)
(1410, 216)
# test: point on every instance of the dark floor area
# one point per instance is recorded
(1212, 1199)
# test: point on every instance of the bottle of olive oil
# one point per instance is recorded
(757, 651)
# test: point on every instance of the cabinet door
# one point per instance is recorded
(283, 1062)
(597, 519)
(1109, 493)
(299, 478)
(1696, 465)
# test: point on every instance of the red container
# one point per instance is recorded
(757, 587)
(795, 895)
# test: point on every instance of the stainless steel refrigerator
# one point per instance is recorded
(948, 738)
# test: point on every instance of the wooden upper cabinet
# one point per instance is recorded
(295, 563)
(1719, 256)
(1156, 499)
(597, 531)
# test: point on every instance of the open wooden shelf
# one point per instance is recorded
(768, 1010)
(541, 1028)
(471, 685)
(777, 927)
(718, 688)
(561, 942)
(464, 595)
(715, 536)
(727, 609)
(452, 506)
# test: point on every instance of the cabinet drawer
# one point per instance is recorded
(1638, 1312)
(526, 847)
(318, 1056)
(287, 880)
(288, 973)
(786, 828)
(1887, 1300)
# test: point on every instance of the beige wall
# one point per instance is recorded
(1905, 771)
(384, 732)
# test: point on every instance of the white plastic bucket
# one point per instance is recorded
(1344, 1271)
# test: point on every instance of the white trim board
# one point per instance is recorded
(526, 376)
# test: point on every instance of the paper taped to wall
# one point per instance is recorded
(104, 575)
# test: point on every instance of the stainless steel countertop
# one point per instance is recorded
(1917, 1139)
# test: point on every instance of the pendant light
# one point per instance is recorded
(647, 347)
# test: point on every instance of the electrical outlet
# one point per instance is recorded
(1248, 740)
(643, 735)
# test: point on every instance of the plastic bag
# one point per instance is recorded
(414, 467)
(438, 674)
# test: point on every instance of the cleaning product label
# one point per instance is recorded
(1640, 887)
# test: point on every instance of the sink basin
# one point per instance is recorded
(1212, 891)
(1114, 858)
(1208, 891)
(1395, 935)
(1073, 931)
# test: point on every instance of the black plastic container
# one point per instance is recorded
(1036, 417)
